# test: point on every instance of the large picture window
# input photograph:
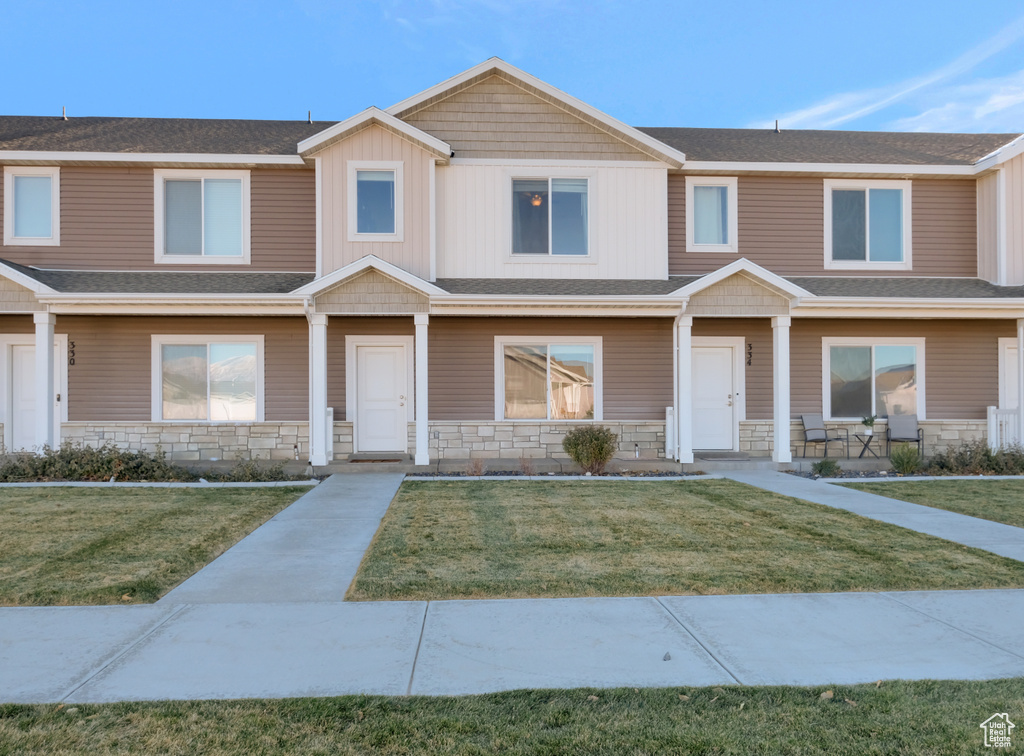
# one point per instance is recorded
(32, 215)
(873, 377)
(548, 379)
(550, 216)
(711, 214)
(208, 379)
(202, 216)
(867, 224)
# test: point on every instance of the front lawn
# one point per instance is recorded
(515, 539)
(935, 718)
(119, 545)
(997, 500)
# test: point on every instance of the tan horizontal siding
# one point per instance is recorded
(106, 222)
(781, 226)
(757, 333)
(637, 371)
(961, 361)
(16, 324)
(497, 119)
(111, 377)
(340, 327)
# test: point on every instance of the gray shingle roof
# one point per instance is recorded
(543, 287)
(907, 288)
(155, 135)
(805, 146)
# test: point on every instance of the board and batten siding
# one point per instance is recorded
(781, 226)
(988, 251)
(636, 352)
(498, 119)
(111, 377)
(1013, 171)
(106, 222)
(961, 361)
(627, 214)
(371, 144)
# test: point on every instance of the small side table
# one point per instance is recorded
(865, 441)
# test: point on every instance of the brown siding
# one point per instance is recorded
(106, 222)
(758, 377)
(961, 361)
(340, 327)
(111, 377)
(16, 324)
(781, 227)
(637, 356)
(498, 119)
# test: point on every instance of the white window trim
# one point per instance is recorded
(10, 239)
(732, 203)
(351, 380)
(160, 175)
(353, 207)
(156, 372)
(826, 374)
(500, 342)
(905, 185)
(546, 174)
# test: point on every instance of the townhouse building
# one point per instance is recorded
(474, 270)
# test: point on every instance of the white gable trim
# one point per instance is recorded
(22, 280)
(753, 270)
(370, 116)
(370, 262)
(663, 151)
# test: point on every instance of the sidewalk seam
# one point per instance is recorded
(131, 647)
(419, 644)
(950, 624)
(698, 641)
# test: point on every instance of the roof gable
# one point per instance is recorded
(374, 117)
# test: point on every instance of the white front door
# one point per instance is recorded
(1008, 374)
(21, 381)
(714, 398)
(382, 398)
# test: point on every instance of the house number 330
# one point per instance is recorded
(71, 353)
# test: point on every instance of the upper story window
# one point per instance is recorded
(375, 201)
(867, 224)
(711, 217)
(201, 216)
(32, 212)
(550, 216)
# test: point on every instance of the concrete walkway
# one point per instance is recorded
(266, 620)
(996, 537)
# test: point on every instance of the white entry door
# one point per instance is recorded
(20, 429)
(382, 398)
(1007, 373)
(714, 398)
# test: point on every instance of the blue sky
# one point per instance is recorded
(902, 65)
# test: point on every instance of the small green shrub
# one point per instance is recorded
(905, 459)
(251, 471)
(77, 462)
(975, 458)
(827, 468)
(590, 446)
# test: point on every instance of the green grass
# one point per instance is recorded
(935, 718)
(511, 539)
(997, 500)
(63, 546)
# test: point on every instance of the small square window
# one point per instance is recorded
(550, 216)
(375, 201)
(711, 216)
(867, 225)
(201, 216)
(32, 212)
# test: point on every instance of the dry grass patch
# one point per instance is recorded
(119, 546)
(996, 500)
(933, 718)
(496, 539)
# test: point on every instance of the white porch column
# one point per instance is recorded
(684, 391)
(45, 395)
(319, 434)
(780, 380)
(422, 429)
(1020, 380)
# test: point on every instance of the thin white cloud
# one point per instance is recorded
(850, 106)
(993, 105)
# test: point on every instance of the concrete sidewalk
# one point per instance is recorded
(996, 537)
(266, 620)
